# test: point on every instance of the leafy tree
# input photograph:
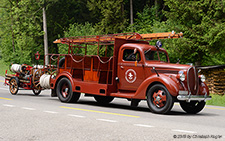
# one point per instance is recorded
(145, 20)
(111, 14)
(23, 31)
(203, 24)
(61, 14)
(79, 30)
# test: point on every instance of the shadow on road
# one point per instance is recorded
(121, 105)
(31, 94)
(181, 113)
(141, 109)
(114, 106)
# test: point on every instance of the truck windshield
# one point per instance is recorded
(156, 55)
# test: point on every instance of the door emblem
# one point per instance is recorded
(130, 75)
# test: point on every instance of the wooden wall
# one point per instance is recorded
(215, 80)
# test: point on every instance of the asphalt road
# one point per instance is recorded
(28, 117)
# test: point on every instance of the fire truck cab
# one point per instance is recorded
(136, 71)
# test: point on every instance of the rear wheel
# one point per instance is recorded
(159, 99)
(14, 85)
(103, 100)
(65, 93)
(36, 92)
(192, 107)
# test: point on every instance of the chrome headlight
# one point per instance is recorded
(202, 77)
(181, 75)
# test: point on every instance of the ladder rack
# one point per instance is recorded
(110, 38)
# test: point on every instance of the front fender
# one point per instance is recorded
(61, 75)
(171, 85)
(203, 89)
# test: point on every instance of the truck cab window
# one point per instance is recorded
(151, 55)
(156, 55)
(162, 56)
(131, 55)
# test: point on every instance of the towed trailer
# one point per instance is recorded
(25, 77)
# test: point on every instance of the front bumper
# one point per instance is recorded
(184, 96)
(190, 97)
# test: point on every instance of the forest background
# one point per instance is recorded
(201, 21)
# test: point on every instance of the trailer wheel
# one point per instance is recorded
(14, 85)
(36, 78)
(36, 92)
(103, 100)
(192, 107)
(159, 99)
(65, 93)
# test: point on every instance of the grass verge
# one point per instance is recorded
(3, 67)
(217, 100)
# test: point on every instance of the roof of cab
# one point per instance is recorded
(142, 46)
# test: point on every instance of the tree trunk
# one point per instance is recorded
(11, 27)
(131, 12)
(156, 10)
(13, 42)
(45, 36)
(122, 10)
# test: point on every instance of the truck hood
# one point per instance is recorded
(167, 66)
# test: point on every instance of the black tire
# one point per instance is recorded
(103, 100)
(14, 85)
(192, 107)
(36, 92)
(65, 93)
(61, 62)
(159, 99)
(135, 102)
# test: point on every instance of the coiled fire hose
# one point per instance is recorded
(45, 81)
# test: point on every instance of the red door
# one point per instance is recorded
(130, 69)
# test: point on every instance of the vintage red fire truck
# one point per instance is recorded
(136, 71)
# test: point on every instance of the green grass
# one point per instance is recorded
(217, 100)
(3, 67)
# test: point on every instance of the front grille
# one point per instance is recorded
(192, 80)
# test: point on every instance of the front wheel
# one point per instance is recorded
(65, 93)
(36, 92)
(159, 99)
(192, 107)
